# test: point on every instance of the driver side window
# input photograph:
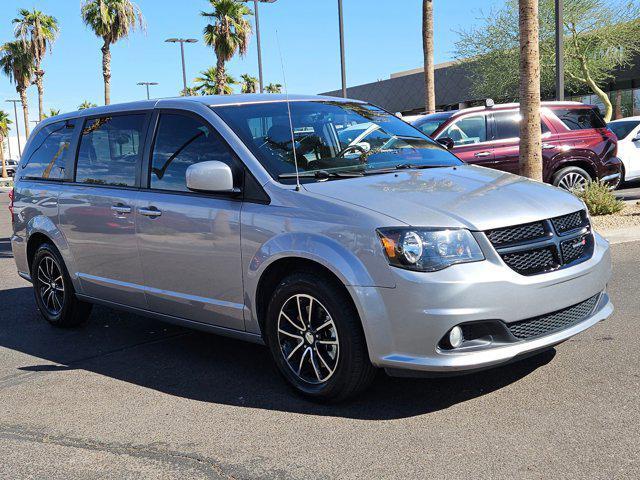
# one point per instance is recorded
(467, 131)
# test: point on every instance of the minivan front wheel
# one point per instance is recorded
(53, 291)
(572, 179)
(316, 340)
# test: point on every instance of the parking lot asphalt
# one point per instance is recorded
(129, 397)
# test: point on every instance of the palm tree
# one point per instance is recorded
(111, 20)
(530, 134)
(86, 104)
(4, 133)
(273, 88)
(207, 83)
(52, 113)
(40, 30)
(189, 92)
(229, 34)
(249, 83)
(427, 47)
(16, 61)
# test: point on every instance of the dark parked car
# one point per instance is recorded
(577, 146)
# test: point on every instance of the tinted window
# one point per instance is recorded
(467, 130)
(49, 151)
(110, 149)
(430, 123)
(507, 125)
(182, 141)
(374, 138)
(622, 128)
(580, 118)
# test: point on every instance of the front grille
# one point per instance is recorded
(531, 261)
(566, 223)
(546, 245)
(519, 233)
(552, 322)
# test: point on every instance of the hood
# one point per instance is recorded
(464, 196)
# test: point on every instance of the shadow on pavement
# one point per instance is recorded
(5, 248)
(209, 368)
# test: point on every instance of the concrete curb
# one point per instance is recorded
(621, 235)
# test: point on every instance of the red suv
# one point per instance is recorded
(577, 146)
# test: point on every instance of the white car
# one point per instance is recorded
(628, 132)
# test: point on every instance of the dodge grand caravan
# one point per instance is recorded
(259, 218)
(577, 146)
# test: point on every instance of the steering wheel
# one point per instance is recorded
(348, 148)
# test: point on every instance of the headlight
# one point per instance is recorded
(428, 250)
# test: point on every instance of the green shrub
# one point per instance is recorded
(599, 199)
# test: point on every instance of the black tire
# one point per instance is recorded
(352, 372)
(567, 176)
(53, 291)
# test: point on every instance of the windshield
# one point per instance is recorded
(330, 137)
(430, 123)
(623, 128)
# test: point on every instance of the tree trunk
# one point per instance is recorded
(4, 164)
(39, 73)
(106, 72)
(427, 47)
(530, 132)
(25, 111)
(618, 104)
(221, 77)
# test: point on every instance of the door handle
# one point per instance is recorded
(150, 212)
(547, 146)
(120, 209)
(482, 154)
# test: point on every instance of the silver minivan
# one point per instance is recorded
(328, 229)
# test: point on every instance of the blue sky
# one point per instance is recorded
(381, 37)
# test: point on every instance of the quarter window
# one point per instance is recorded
(580, 118)
(467, 130)
(182, 141)
(49, 152)
(110, 150)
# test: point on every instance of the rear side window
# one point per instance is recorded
(110, 148)
(580, 118)
(507, 125)
(50, 150)
(182, 141)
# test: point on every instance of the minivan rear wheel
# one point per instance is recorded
(571, 179)
(316, 339)
(54, 294)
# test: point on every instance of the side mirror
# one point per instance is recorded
(366, 146)
(447, 142)
(212, 176)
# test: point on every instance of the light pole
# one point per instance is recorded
(559, 50)
(15, 111)
(342, 62)
(146, 84)
(256, 12)
(182, 41)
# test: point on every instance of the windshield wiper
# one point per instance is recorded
(322, 175)
(401, 166)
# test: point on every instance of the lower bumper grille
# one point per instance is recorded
(551, 322)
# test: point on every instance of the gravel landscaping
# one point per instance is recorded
(628, 217)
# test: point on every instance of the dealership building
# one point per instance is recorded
(404, 91)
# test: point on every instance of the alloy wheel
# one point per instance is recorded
(308, 339)
(50, 285)
(573, 181)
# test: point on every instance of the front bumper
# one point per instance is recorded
(404, 325)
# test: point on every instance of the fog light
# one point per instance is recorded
(455, 337)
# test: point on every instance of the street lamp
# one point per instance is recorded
(182, 41)
(342, 62)
(255, 8)
(146, 84)
(15, 111)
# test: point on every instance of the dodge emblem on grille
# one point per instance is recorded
(580, 243)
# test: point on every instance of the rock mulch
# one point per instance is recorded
(629, 217)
